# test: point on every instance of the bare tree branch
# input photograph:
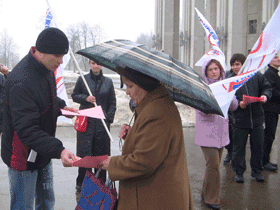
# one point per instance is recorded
(8, 50)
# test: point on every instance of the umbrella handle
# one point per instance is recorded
(85, 82)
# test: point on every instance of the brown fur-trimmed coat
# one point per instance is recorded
(152, 169)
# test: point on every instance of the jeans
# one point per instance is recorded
(27, 186)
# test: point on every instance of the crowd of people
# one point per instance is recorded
(152, 169)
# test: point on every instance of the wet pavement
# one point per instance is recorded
(248, 196)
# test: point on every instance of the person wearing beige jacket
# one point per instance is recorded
(152, 170)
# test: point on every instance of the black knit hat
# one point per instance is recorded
(52, 41)
(142, 80)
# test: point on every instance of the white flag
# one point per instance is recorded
(260, 56)
(214, 53)
(60, 86)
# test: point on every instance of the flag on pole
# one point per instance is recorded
(60, 86)
(214, 53)
(260, 56)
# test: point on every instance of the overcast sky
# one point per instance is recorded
(120, 19)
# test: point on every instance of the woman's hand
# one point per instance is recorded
(105, 163)
(91, 99)
(124, 131)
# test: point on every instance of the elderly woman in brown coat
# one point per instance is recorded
(152, 169)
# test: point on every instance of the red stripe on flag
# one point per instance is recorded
(259, 45)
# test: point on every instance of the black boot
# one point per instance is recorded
(269, 167)
(258, 176)
(239, 178)
(228, 158)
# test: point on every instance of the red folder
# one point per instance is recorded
(90, 161)
(250, 99)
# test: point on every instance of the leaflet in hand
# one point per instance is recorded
(95, 112)
(90, 161)
(250, 99)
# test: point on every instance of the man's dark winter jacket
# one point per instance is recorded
(253, 115)
(273, 105)
(31, 109)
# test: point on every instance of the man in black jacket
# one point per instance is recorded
(271, 112)
(248, 119)
(31, 108)
(236, 63)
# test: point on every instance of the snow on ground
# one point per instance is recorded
(123, 113)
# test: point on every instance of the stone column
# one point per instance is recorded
(185, 32)
(229, 33)
(193, 39)
(158, 24)
(170, 29)
(236, 28)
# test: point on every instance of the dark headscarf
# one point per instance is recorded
(144, 81)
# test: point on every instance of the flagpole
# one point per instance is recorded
(85, 82)
(77, 65)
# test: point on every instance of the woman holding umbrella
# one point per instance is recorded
(213, 138)
(152, 169)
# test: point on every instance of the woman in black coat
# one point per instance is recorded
(95, 141)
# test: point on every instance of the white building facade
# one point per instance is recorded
(238, 24)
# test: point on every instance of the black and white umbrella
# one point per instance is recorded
(182, 82)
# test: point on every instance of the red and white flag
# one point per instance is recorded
(60, 86)
(260, 56)
(215, 52)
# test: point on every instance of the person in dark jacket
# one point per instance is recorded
(249, 120)
(31, 109)
(271, 112)
(5, 71)
(95, 141)
(236, 63)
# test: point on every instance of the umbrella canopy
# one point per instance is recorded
(182, 82)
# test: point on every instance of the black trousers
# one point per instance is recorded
(81, 176)
(271, 120)
(229, 147)
(240, 137)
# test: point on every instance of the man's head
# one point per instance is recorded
(275, 62)
(51, 45)
(236, 62)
